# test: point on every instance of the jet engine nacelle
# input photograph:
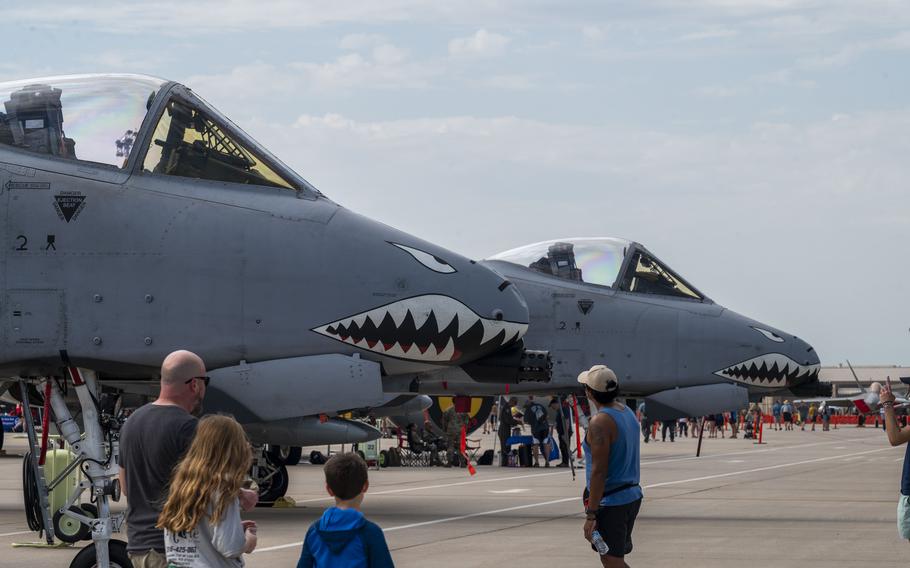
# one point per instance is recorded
(283, 389)
(695, 401)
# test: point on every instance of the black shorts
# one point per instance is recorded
(788, 417)
(541, 437)
(615, 526)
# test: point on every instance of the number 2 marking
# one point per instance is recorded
(24, 244)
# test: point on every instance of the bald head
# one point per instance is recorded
(180, 366)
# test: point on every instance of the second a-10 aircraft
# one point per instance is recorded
(612, 301)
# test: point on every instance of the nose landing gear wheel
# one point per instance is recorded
(272, 485)
(116, 549)
(69, 529)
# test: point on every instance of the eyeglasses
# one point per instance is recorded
(203, 379)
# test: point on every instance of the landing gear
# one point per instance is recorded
(118, 558)
(96, 452)
(271, 478)
(284, 455)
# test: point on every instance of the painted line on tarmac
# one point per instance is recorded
(581, 469)
(15, 533)
(568, 499)
(443, 485)
(765, 468)
(750, 452)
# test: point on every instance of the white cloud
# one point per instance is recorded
(359, 41)
(851, 52)
(511, 82)
(593, 33)
(482, 43)
(710, 34)
(717, 92)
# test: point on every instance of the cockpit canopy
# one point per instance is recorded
(615, 263)
(92, 118)
(103, 119)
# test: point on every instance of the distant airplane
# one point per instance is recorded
(867, 400)
(612, 301)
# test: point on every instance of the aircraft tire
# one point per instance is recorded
(116, 552)
(384, 458)
(284, 455)
(274, 487)
(68, 529)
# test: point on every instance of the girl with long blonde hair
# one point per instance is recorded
(201, 517)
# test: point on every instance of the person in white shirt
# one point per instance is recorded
(201, 517)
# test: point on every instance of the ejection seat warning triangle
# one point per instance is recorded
(69, 204)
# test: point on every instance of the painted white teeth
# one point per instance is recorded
(420, 316)
(444, 310)
(490, 330)
(466, 321)
(447, 352)
(398, 313)
(444, 320)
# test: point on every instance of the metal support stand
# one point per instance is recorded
(33, 463)
(701, 434)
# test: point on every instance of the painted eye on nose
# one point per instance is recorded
(432, 262)
(769, 335)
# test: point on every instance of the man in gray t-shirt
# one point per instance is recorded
(152, 441)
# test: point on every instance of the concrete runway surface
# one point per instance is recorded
(801, 499)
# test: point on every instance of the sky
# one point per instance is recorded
(761, 148)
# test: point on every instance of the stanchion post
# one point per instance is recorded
(701, 433)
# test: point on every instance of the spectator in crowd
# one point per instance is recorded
(826, 416)
(152, 442)
(802, 410)
(813, 415)
(201, 517)
(898, 436)
(452, 423)
(343, 536)
(643, 421)
(563, 426)
(612, 469)
(786, 413)
(775, 413)
(668, 426)
(507, 421)
(536, 418)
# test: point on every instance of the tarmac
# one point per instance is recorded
(801, 499)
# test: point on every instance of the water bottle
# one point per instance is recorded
(598, 542)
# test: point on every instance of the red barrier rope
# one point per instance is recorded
(577, 428)
(45, 422)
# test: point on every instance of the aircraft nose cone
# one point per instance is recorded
(766, 357)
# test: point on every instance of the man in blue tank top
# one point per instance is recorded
(612, 466)
(898, 436)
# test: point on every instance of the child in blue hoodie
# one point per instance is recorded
(343, 538)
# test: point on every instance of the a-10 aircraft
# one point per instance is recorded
(612, 301)
(139, 220)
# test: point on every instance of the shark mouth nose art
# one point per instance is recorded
(770, 370)
(430, 328)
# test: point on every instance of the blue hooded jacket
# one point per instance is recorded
(343, 538)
